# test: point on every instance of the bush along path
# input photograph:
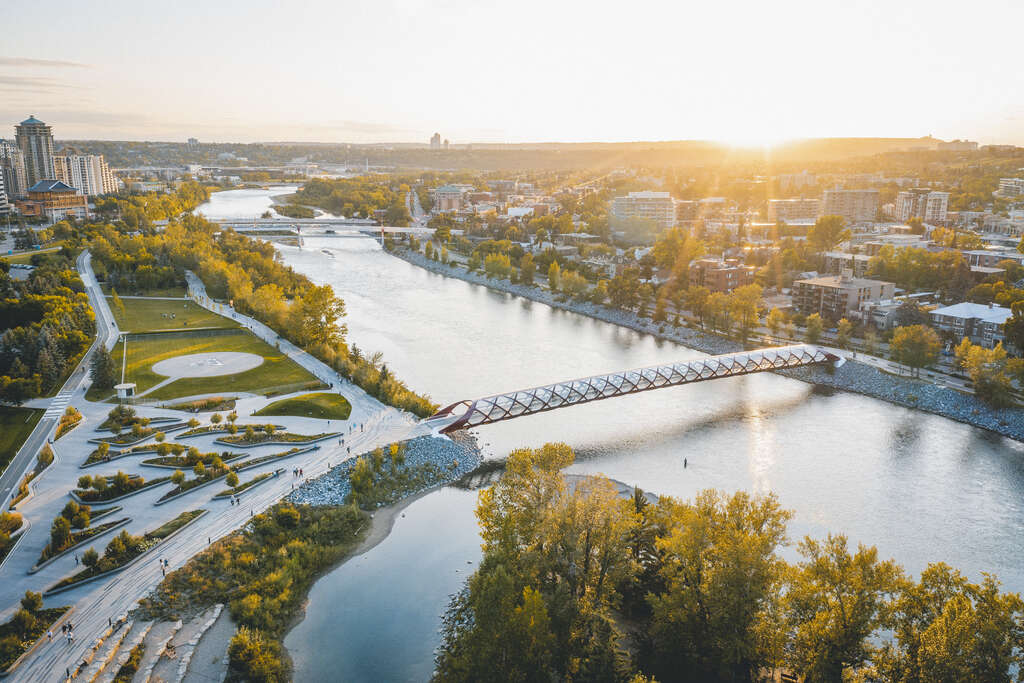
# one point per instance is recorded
(123, 551)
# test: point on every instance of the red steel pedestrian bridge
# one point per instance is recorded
(482, 411)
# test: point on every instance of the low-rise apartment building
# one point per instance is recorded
(720, 275)
(981, 323)
(788, 210)
(840, 261)
(449, 198)
(856, 206)
(1011, 187)
(838, 296)
(656, 206)
(55, 201)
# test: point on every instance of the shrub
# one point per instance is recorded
(33, 602)
(251, 657)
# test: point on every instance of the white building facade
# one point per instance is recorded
(928, 205)
(656, 206)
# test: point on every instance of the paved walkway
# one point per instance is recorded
(76, 384)
(114, 596)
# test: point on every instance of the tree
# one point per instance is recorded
(232, 479)
(101, 369)
(844, 331)
(960, 353)
(33, 602)
(776, 320)
(720, 573)
(987, 369)
(117, 303)
(814, 327)
(696, 301)
(315, 317)
(527, 268)
(835, 602)
(554, 276)
(948, 629)
(497, 266)
(916, 346)
(827, 232)
(23, 622)
(252, 657)
(573, 284)
(199, 470)
(743, 305)
(90, 558)
(159, 436)
(60, 534)
(1013, 328)
(718, 312)
(178, 478)
(102, 448)
(870, 342)
(216, 418)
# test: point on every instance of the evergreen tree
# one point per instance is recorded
(101, 369)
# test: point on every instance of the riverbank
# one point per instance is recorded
(853, 376)
(455, 457)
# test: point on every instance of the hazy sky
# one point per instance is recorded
(480, 70)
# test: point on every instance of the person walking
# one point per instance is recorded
(49, 636)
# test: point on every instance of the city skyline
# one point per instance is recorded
(399, 71)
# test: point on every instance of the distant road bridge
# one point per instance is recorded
(318, 227)
(482, 411)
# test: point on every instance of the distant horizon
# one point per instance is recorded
(528, 143)
(744, 74)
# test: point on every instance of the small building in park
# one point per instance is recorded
(126, 390)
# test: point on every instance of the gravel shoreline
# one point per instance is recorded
(852, 376)
(455, 456)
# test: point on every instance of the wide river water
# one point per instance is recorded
(920, 487)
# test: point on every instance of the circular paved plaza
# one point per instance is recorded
(207, 364)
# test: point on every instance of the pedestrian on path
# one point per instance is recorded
(49, 636)
(76, 559)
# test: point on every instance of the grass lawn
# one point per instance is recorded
(147, 315)
(325, 406)
(25, 257)
(143, 352)
(15, 426)
(177, 292)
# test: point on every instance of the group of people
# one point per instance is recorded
(67, 629)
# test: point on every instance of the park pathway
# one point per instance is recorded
(96, 604)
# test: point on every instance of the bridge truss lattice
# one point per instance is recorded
(481, 411)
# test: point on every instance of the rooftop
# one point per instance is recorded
(51, 186)
(32, 121)
(840, 281)
(968, 309)
(647, 194)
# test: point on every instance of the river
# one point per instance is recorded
(920, 487)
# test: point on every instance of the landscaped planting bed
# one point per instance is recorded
(80, 537)
(21, 633)
(260, 438)
(188, 462)
(123, 550)
(234, 491)
(121, 484)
